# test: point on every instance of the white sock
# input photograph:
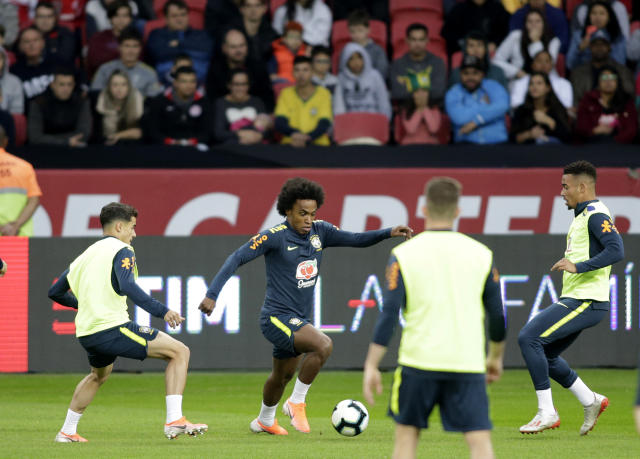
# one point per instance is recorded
(582, 392)
(70, 426)
(545, 401)
(299, 392)
(174, 407)
(267, 414)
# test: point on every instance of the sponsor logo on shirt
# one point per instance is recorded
(306, 273)
(257, 240)
(147, 330)
(315, 241)
(128, 263)
(295, 321)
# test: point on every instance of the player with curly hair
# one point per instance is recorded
(293, 252)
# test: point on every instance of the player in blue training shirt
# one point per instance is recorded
(293, 252)
(593, 245)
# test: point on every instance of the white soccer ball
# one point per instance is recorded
(350, 418)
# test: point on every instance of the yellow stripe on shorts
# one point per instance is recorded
(280, 325)
(129, 334)
(395, 391)
(565, 319)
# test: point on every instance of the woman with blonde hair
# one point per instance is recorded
(119, 108)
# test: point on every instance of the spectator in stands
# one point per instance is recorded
(543, 63)
(303, 113)
(619, 10)
(633, 48)
(600, 19)
(314, 15)
(477, 106)
(9, 22)
(360, 87)
(239, 117)
(181, 116)
(487, 16)
(512, 5)
(118, 111)
(515, 53)
(182, 60)
(419, 62)
(33, 68)
(165, 43)
(235, 55)
(607, 114)
(6, 121)
(255, 25)
(11, 86)
(60, 42)
(475, 44)
(142, 76)
(555, 18)
(358, 23)
(321, 68)
(583, 77)
(60, 116)
(103, 46)
(219, 14)
(285, 50)
(97, 18)
(541, 119)
(420, 122)
(377, 9)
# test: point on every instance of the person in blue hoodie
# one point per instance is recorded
(360, 87)
(477, 106)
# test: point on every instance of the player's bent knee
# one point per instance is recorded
(525, 338)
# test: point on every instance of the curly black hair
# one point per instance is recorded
(298, 188)
(581, 167)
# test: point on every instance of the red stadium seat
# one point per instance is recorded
(20, 122)
(635, 25)
(275, 4)
(456, 59)
(278, 87)
(403, 20)
(340, 37)
(194, 5)
(396, 6)
(560, 65)
(571, 5)
(152, 25)
(349, 126)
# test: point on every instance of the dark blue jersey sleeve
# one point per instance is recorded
(256, 246)
(335, 237)
(123, 268)
(602, 230)
(394, 298)
(59, 292)
(492, 300)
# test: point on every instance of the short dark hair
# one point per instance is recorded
(181, 4)
(442, 195)
(63, 70)
(244, 2)
(319, 49)
(112, 8)
(130, 33)
(117, 211)
(47, 4)
(182, 56)
(417, 26)
(301, 60)
(581, 167)
(2, 31)
(298, 188)
(238, 71)
(184, 70)
(358, 17)
(477, 35)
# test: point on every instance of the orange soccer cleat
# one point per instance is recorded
(62, 437)
(298, 415)
(183, 426)
(256, 426)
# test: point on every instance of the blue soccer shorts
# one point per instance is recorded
(127, 340)
(279, 330)
(462, 398)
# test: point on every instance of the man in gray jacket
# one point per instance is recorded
(12, 95)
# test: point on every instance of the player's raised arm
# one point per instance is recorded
(335, 237)
(256, 246)
(60, 292)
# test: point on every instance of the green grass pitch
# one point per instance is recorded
(126, 417)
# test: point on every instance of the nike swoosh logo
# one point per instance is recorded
(292, 248)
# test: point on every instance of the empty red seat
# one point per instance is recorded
(354, 125)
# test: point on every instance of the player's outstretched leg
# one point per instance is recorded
(82, 396)
(317, 348)
(177, 356)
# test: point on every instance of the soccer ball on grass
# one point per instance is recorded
(350, 418)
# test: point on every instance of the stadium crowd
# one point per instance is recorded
(301, 72)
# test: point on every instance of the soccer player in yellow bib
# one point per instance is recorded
(593, 245)
(100, 280)
(441, 360)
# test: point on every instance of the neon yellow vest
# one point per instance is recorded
(12, 201)
(592, 285)
(99, 306)
(444, 274)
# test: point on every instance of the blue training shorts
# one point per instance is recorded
(127, 340)
(279, 329)
(462, 398)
